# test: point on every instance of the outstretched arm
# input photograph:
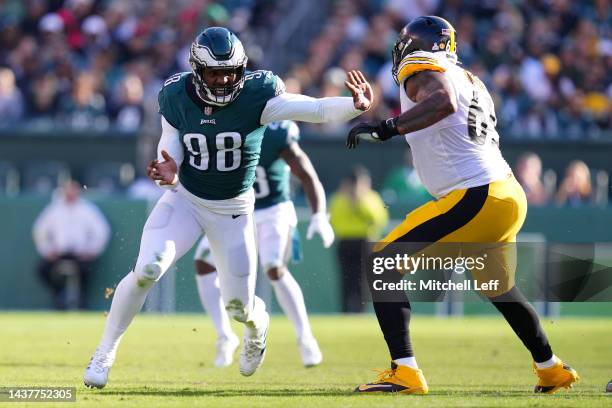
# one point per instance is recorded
(304, 108)
(435, 99)
(303, 169)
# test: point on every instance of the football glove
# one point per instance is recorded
(372, 132)
(319, 224)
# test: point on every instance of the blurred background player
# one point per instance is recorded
(448, 119)
(275, 220)
(358, 215)
(403, 183)
(69, 234)
(212, 129)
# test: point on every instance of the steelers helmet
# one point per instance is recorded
(425, 33)
(217, 48)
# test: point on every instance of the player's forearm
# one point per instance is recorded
(170, 142)
(307, 109)
(315, 194)
(302, 168)
(430, 110)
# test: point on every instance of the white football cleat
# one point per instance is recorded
(310, 352)
(254, 348)
(96, 373)
(225, 350)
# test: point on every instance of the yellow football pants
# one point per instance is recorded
(480, 219)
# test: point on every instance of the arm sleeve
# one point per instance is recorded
(169, 141)
(304, 108)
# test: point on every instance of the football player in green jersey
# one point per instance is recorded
(212, 126)
(275, 223)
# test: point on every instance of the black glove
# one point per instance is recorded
(372, 132)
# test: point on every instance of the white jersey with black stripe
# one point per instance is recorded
(461, 150)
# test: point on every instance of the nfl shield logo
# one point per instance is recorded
(208, 110)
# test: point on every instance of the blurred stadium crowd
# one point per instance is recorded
(99, 63)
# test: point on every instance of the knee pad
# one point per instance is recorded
(148, 274)
(151, 266)
(237, 310)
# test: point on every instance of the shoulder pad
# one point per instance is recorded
(418, 61)
(265, 79)
(172, 89)
(174, 79)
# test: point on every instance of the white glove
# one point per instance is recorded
(319, 224)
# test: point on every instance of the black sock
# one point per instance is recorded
(394, 318)
(392, 311)
(525, 323)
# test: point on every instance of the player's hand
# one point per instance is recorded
(319, 224)
(363, 96)
(372, 132)
(163, 173)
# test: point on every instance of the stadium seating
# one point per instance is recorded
(9, 179)
(109, 176)
(44, 177)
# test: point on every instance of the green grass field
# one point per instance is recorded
(167, 361)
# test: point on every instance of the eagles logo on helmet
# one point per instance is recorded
(217, 48)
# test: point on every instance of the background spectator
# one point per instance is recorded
(85, 107)
(69, 235)
(11, 100)
(358, 215)
(549, 62)
(529, 175)
(576, 188)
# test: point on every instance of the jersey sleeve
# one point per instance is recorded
(272, 86)
(416, 62)
(164, 98)
(261, 86)
(275, 84)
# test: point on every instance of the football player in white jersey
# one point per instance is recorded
(448, 119)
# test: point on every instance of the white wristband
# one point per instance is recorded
(168, 186)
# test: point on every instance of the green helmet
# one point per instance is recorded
(217, 48)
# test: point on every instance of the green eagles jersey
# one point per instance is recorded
(221, 143)
(272, 182)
